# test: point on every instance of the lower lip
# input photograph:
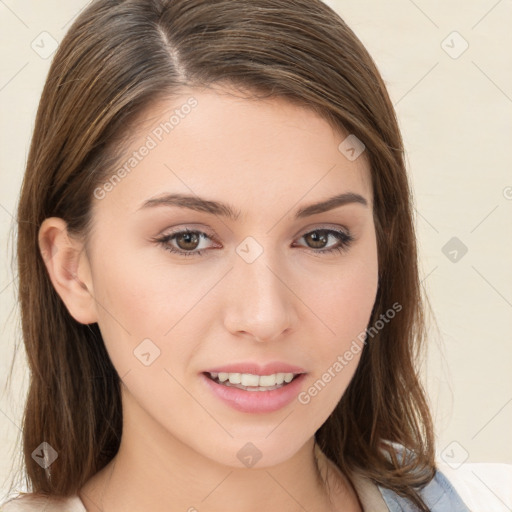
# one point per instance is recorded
(256, 401)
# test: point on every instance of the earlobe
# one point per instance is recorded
(68, 267)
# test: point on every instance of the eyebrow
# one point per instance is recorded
(225, 210)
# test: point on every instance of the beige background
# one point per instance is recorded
(454, 108)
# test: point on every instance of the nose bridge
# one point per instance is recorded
(261, 305)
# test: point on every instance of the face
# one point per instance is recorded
(243, 277)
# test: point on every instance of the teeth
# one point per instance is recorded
(249, 379)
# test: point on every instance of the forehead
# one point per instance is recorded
(223, 144)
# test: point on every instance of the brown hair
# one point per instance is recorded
(119, 58)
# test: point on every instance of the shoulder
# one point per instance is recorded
(27, 502)
(439, 495)
(461, 487)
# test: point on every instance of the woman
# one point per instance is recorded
(218, 270)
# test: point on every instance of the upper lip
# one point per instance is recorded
(257, 369)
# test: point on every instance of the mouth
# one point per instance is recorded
(252, 392)
(252, 382)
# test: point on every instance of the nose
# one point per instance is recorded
(260, 304)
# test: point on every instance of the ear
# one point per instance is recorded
(69, 269)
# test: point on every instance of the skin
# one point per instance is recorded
(266, 158)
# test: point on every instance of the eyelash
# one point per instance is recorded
(345, 240)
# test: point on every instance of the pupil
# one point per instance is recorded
(318, 240)
(188, 237)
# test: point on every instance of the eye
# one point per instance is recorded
(320, 237)
(188, 241)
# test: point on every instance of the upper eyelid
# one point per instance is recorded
(339, 229)
(302, 232)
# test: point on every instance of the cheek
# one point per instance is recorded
(342, 296)
(154, 287)
(139, 299)
(344, 308)
(345, 313)
(343, 303)
(353, 299)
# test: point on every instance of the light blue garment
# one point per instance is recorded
(439, 495)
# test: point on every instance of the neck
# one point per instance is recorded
(155, 471)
